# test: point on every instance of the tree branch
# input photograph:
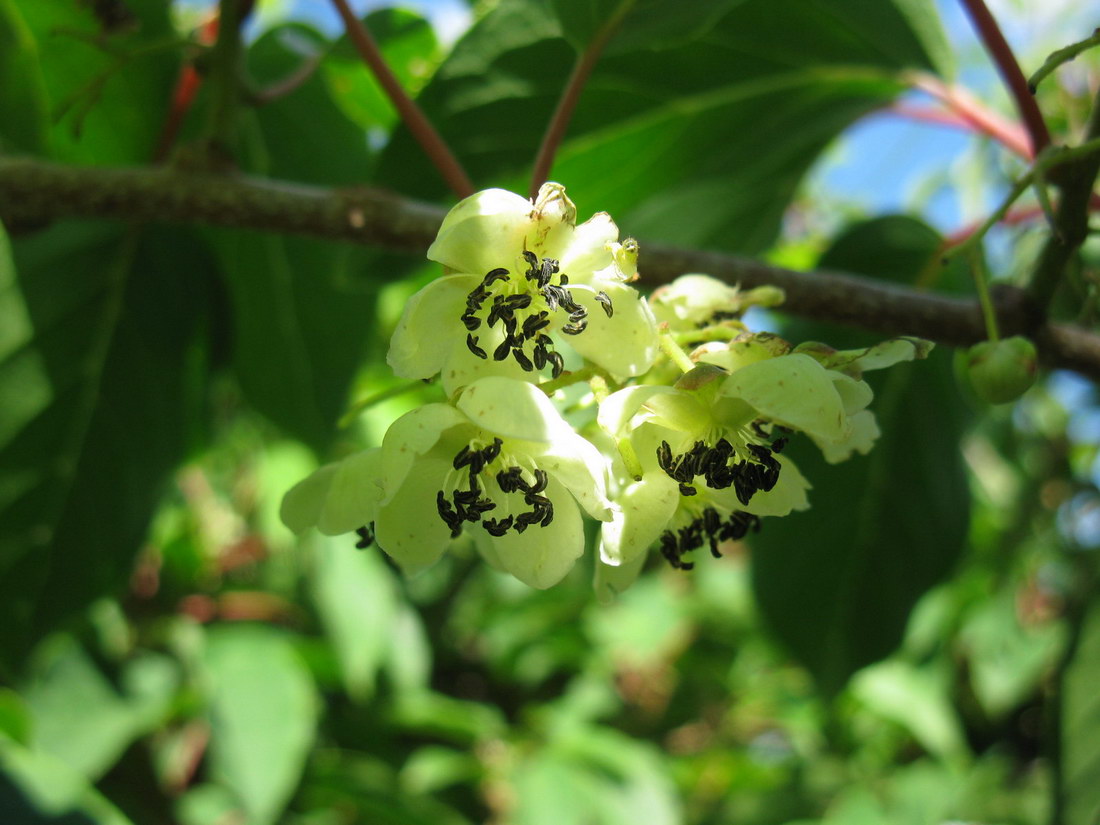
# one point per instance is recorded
(34, 192)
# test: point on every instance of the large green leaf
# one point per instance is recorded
(39, 789)
(1080, 726)
(693, 143)
(263, 710)
(23, 120)
(102, 362)
(836, 583)
(356, 596)
(106, 92)
(301, 308)
(82, 719)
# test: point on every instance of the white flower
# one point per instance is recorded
(501, 462)
(524, 279)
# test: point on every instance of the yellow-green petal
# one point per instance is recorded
(625, 344)
(644, 511)
(540, 556)
(353, 495)
(408, 527)
(302, 504)
(792, 390)
(430, 327)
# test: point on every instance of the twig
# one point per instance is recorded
(429, 139)
(1071, 223)
(969, 111)
(225, 81)
(1052, 158)
(1009, 69)
(33, 192)
(289, 84)
(559, 121)
(1061, 56)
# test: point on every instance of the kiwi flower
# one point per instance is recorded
(523, 280)
(501, 462)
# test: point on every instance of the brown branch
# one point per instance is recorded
(35, 192)
(437, 150)
(1010, 72)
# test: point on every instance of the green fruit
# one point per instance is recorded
(1001, 371)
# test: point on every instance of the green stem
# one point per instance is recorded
(1061, 56)
(225, 80)
(670, 348)
(567, 379)
(348, 418)
(1077, 171)
(989, 313)
(630, 458)
(1049, 159)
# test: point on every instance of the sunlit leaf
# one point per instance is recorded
(263, 709)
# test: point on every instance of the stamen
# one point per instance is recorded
(366, 536)
(557, 363)
(495, 275)
(605, 301)
(471, 344)
(522, 359)
(502, 350)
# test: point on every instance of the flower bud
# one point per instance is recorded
(1001, 371)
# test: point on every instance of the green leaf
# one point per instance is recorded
(107, 105)
(23, 121)
(263, 712)
(411, 51)
(700, 143)
(642, 24)
(39, 789)
(301, 308)
(102, 362)
(355, 594)
(836, 583)
(1080, 725)
(81, 718)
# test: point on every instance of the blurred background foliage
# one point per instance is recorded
(923, 646)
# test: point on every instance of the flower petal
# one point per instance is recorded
(645, 508)
(483, 232)
(539, 556)
(512, 409)
(793, 390)
(409, 528)
(302, 504)
(430, 327)
(789, 493)
(577, 464)
(619, 408)
(625, 344)
(587, 249)
(463, 368)
(609, 581)
(854, 395)
(412, 435)
(861, 439)
(354, 494)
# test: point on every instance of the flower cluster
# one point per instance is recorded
(692, 410)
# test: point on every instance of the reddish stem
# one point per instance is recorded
(426, 135)
(559, 121)
(974, 115)
(1009, 69)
